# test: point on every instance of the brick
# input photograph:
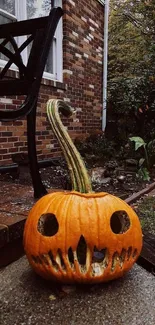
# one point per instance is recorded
(72, 2)
(2, 151)
(6, 100)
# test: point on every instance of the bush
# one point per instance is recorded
(96, 147)
(131, 102)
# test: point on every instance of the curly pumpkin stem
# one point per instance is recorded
(78, 173)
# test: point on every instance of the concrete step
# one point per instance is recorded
(15, 203)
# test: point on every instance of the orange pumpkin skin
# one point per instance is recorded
(89, 216)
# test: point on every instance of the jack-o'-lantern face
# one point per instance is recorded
(75, 237)
(80, 236)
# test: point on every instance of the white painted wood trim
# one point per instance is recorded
(101, 1)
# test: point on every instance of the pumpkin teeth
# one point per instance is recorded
(122, 257)
(96, 269)
(135, 253)
(95, 262)
(129, 252)
(53, 263)
(44, 259)
(71, 257)
(60, 261)
(115, 261)
(48, 259)
(88, 258)
(35, 259)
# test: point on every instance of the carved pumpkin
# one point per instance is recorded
(80, 236)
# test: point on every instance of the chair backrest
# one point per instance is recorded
(40, 32)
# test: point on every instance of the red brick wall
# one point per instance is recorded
(83, 25)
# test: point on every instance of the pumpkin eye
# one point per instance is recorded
(48, 225)
(119, 222)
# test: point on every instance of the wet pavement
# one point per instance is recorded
(26, 299)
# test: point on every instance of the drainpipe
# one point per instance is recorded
(105, 64)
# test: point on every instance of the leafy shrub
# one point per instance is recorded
(133, 101)
(96, 146)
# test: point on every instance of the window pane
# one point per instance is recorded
(8, 5)
(32, 8)
(5, 19)
(38, 8)
(46, 6)
(49, 64)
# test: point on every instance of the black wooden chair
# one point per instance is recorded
(40, 33)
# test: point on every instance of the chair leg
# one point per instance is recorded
(39, 188)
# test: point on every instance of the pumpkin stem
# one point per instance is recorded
(78, 172)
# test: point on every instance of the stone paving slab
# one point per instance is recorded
(16, 198)
(25, 300)
(12, 191)
(15, 202)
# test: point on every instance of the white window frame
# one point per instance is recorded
(102, 2)
(21, 14)
(13, 18)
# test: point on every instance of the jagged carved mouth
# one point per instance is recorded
(87, 261)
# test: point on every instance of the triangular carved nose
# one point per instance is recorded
(81, 250)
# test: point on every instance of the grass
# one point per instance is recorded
(145, 210)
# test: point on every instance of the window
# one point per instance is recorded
(6, 17)
(12, 10)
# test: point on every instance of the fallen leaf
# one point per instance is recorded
(52, 297)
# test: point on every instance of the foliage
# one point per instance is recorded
(129, 94)
(139, 142)
(143, 174)
(146, 212)
(96, 146)
(132, 59)
(144, 162)
(131, 37)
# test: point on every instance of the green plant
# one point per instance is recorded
(144, 162)
(96, 146)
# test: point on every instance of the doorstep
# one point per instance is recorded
(15, 202)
